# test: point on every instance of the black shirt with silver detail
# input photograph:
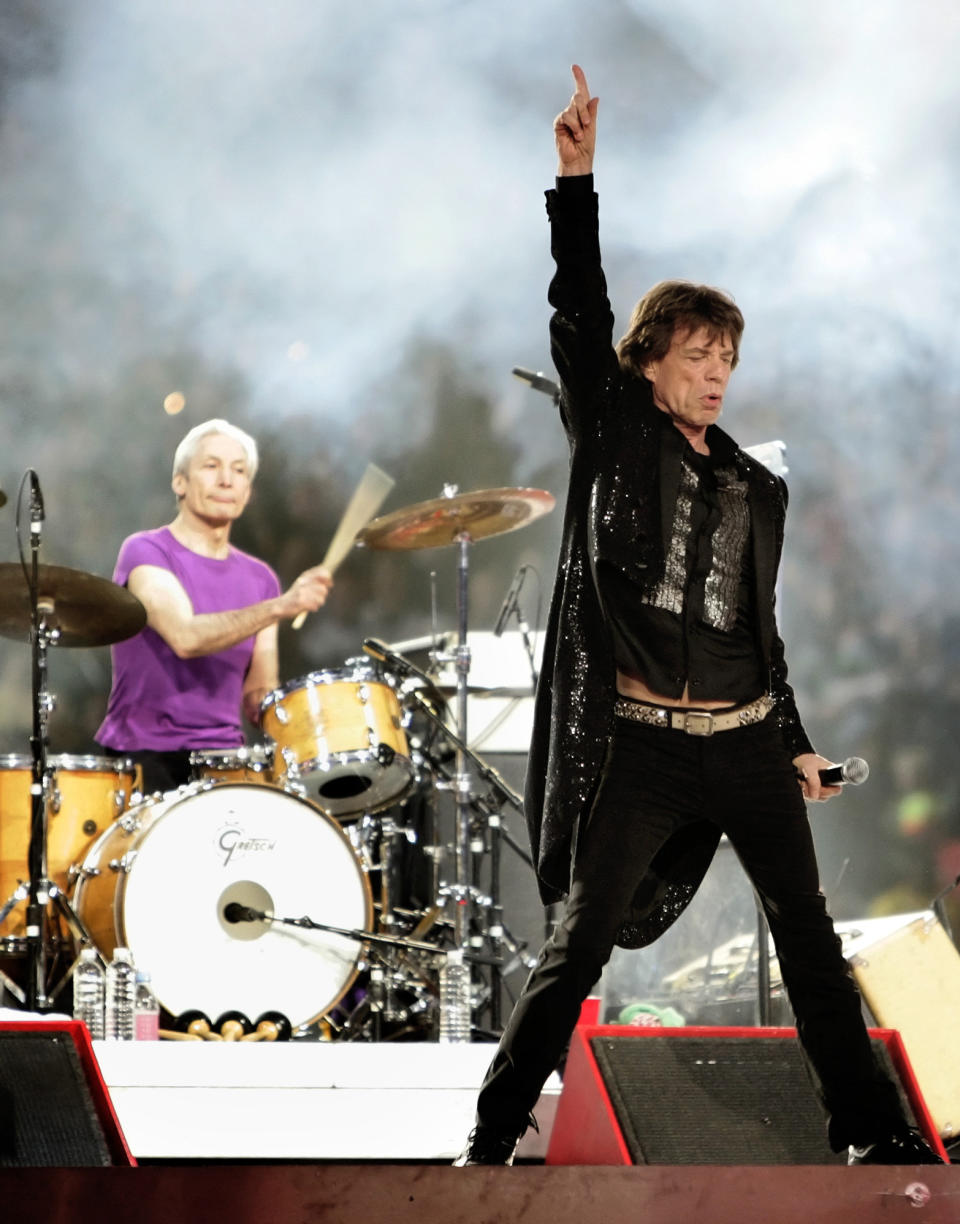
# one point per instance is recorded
(694, 628)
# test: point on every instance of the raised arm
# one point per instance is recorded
(581, 329)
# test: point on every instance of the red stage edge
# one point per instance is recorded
(77, 1031)
(586, 1130)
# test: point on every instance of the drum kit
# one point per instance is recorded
(313, 876)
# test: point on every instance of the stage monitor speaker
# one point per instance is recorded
(701, 1096)
(54, 1107)
(910, 980)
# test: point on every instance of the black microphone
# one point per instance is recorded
(235, 912)
(510, 601)
(383, 654)
(537, 381)
(36, 502)
(853, 770)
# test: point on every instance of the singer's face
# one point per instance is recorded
(216, 485)
(690, 381)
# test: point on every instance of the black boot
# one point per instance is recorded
(487, 1145)
(904, 1147)
(494, 1145)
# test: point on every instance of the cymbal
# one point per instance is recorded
(443, 520)
(88, 611)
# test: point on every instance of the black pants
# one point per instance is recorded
(162, 771)
(654, 781)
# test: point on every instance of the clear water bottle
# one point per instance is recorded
(89, 991)
(120, 1010)
(454, 999)
(147, 1009)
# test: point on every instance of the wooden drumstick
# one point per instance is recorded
(367, 499)
(170, 1035)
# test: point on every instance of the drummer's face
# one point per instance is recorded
(216, 484)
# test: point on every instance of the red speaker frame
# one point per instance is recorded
(77, 1031)
(586, 1130)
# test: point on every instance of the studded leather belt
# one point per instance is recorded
(693, 722)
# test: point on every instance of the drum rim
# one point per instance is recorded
(169, 800)
(247, 754)
(352, 756)
(86, 762)
(346, 675)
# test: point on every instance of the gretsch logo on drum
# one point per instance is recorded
(236, 845)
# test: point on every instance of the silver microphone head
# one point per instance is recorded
(855, 770)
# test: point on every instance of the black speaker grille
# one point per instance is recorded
(713, 1100)
(47, 1115)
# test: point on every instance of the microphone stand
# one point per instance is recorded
(39, 891)
(367, 937)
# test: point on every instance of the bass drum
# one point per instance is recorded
(159, 881)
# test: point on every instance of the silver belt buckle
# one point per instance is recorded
(698, 722)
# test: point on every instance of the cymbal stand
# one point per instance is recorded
(460, 890)
(463, 851)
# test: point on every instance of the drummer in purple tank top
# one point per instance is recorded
(209, 648)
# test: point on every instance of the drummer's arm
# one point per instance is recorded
(263, 675)
(190, 634)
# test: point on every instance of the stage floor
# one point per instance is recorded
(427, 1194)
(302, 1100)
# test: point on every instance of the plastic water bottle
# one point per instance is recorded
(89, 991)
(147, 1009)
(121, 997)
(454, 999)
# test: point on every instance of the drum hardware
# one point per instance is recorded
(488, 832)
(52, 606)
(248, 763)
(460, 519)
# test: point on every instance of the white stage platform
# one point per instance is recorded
(302, 1100)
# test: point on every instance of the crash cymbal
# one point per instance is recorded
(88, 611)
(443, 520)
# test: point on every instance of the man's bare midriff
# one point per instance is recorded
(633, 686)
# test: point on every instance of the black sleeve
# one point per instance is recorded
(581, 328)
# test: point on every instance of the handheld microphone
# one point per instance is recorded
(537, 381)
(510, 601)
(853, 770)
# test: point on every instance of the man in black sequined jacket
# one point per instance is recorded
(614, 430)
(664, 717)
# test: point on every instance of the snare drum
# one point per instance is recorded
(159, 882)
(338, 735)
(248, 764)
(87, 794)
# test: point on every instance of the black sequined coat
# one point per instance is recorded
(619, 508)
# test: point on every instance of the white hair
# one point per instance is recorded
(188, 447)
